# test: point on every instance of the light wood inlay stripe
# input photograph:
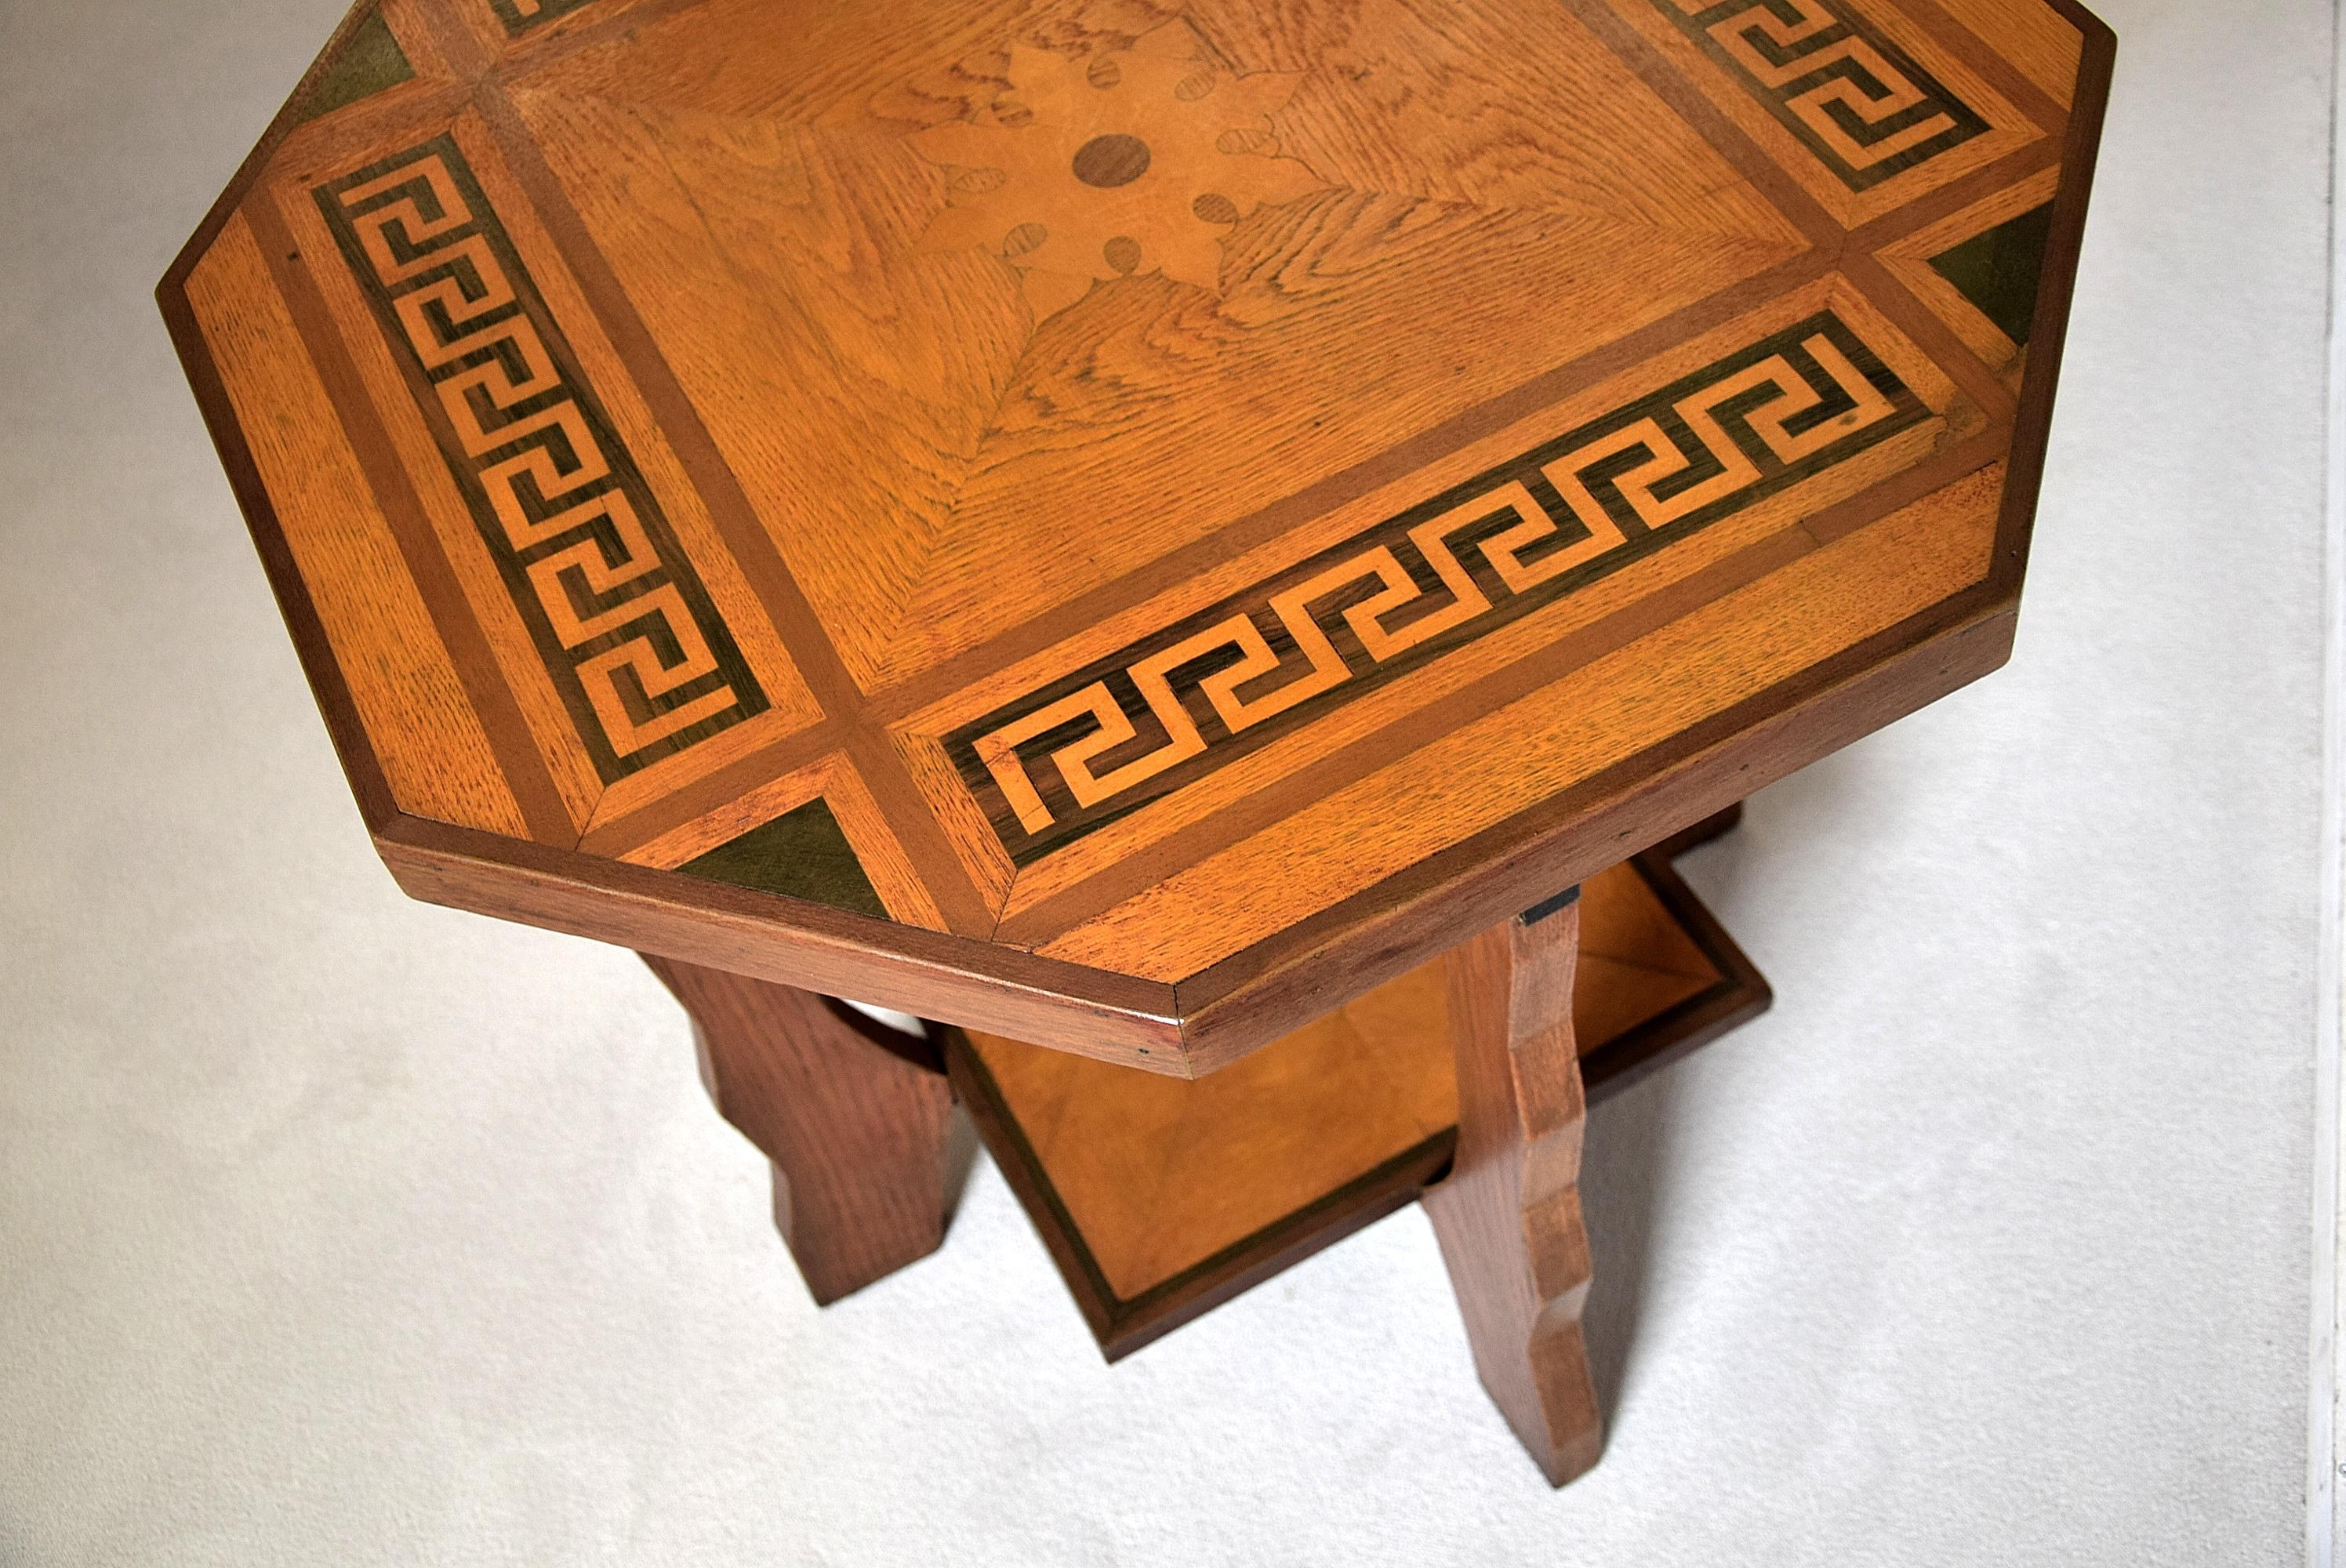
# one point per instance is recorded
(541, 801)
(753, 547)
(419, 717)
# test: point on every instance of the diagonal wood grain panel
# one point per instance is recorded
(643, 662)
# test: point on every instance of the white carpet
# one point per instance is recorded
(337, 1230)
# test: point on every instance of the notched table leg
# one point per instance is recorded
(867, 1147)
(1508, 1217)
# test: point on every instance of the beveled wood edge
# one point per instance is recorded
(1122, 1325)
(716, 925)
(1717, 825)
(361, 767)
(1090, 1012)
(1147, 1023)
(1274, 986)
(960, 979)
(2032, 430)
(1283, 983)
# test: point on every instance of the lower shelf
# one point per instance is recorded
(1160, 1199)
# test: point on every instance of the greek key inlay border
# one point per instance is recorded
(1862, 105)
(644, 665)
(1125, 729)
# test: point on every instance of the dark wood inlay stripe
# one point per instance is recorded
(754, 551)
(1999, 72)
(1130, 728)
(1240, 534)
(1195, 841)
(526, 772)
(1865, 108)
(1663, 78)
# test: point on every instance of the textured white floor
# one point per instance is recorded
(335, 1229)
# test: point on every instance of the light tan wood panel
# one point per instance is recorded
(1159, 1175)
(422, 722)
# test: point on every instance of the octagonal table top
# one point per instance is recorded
(1121, 525)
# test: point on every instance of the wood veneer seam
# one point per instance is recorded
(2013, 525)
(902, 699)
(1969, 614)
(1981, 449)
(1927, 332)
(361, 765)
(1264, 1254)
(755, 551)
(412, 111)
(961, 903)
(530, 877)
(1879, 234)
(1663, 77)
(528, 55)
(1123, 1324)
(2005, 79)
(1742, 993)
(346, 729)
(462, 47)
(1203, 838)
(1199, 840)
(713, 791)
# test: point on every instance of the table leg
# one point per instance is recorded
(866, 1144)
(1508, 1215)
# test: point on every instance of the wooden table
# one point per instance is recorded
(1234, 540)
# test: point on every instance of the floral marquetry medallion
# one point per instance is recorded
(1075, 516)
(1139, 161)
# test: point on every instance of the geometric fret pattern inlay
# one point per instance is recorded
(1121, 525)
(1848, 94)
(626, 630)
(1232, 506)
(1128, 728)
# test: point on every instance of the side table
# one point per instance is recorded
(1214, 552)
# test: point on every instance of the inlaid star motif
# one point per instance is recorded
(1139, 161)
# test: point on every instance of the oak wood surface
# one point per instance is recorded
(1217, 505)
(1508, 1215)
(861, 1136)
